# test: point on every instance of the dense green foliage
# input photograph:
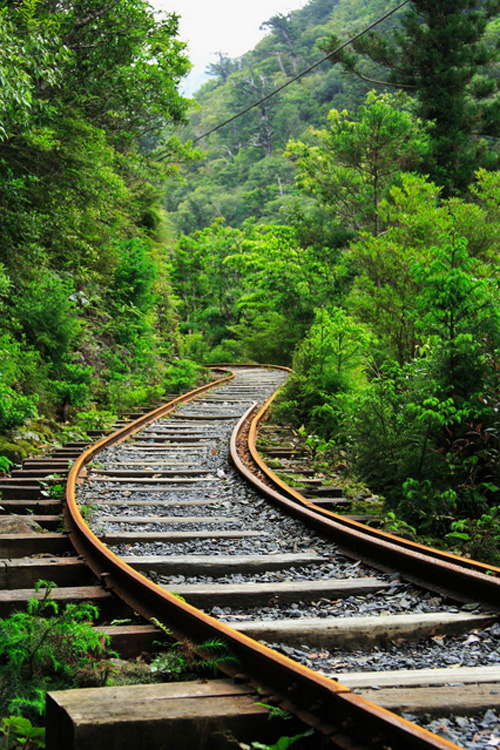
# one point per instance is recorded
(377, 283)
(442, 54)
(47, 648)
(248, 292)
(88, 97)
(245, 172)
(356, 161)
(406, 373)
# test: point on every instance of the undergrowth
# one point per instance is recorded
(184, 660)
(47, 648)
(430, 516)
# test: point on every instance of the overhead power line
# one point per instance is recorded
(299, 75)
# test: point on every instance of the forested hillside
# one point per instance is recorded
(349, 226)
(245, 173)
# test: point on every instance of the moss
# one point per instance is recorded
(273, 463)
(14, 451)
(28, 440)
(45, 428)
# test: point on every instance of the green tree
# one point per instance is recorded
(256, 286)
(359, 159)
(457, 311)
(47, 315)
(286, 33)
(441, 54)
(222, 67)
(329, 365)
(208, 289)
(385, 288)
(282, 283)
(88, 92)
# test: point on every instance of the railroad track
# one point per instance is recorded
(170, 518)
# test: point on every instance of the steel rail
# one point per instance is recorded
(368, 713)
(449, 574)
(347, 719)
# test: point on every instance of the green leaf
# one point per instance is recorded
(283, 743)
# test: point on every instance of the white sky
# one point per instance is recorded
(226, 26)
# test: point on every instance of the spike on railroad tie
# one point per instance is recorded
(105, 580)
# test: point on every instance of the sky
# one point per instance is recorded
(228, 26)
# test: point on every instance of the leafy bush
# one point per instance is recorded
(18, 365)
(430, 510)
(479, 537)
(229, 350)
(193, 346)
(15, 408)
(181, 375)
(74, 387)
(46, 312)
(93, 419)
(45, 648)
(5, 465)
(134, 276)
(20, 734)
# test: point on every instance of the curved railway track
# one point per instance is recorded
(162, 496)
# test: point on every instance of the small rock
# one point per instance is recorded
(490, 717)
(18, 525)
(435, 601)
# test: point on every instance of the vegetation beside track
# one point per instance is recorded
(477, 538)
(303, 243)
(49, 647)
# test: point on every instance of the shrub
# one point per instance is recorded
(181, 376)
(45, 648)
(46, 312)
(15, 408)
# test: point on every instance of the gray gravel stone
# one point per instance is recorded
(229, 495)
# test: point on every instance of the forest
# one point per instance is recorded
(347, 227)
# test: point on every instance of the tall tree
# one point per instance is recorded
(82, 85)
(222, 67)
(440, 53)
(253, 86)
(358, 159)
(286, 31)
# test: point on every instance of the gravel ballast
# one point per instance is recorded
(227, 495)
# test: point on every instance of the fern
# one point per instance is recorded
(275, 712)
(45, 648)
(221, 654)
(181, 660)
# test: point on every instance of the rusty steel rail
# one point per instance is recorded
(349, 721)
(462, 578)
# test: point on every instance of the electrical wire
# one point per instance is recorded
(298, 76)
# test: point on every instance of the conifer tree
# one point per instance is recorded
(441, 53)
